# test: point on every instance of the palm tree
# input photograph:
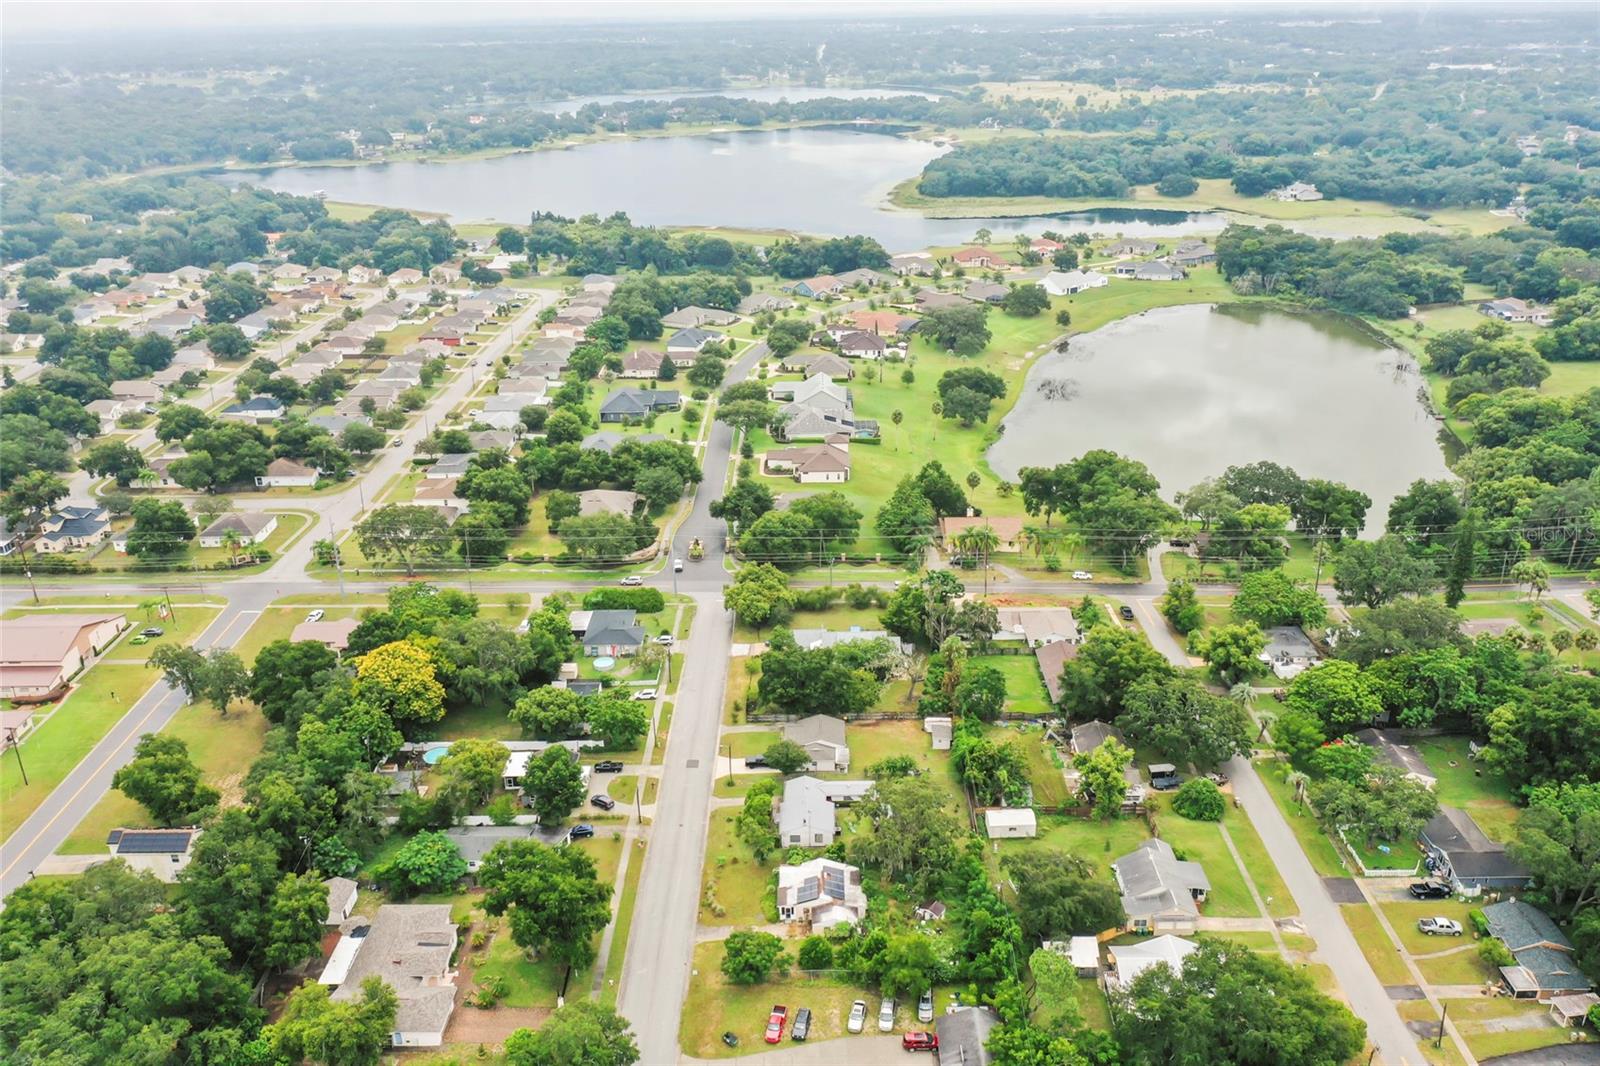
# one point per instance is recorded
(1297, 781)
(146, 478)
(1243, 695)
(230, 544)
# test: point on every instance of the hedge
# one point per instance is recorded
(643, 600)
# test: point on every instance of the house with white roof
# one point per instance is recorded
(821, 893)
(806, 814)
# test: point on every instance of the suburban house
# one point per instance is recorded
(1289, 651)
(1160, 892)
(933, 299)
(72, 527)
(615, 632)
(642, 364)
(1465, 858)
(1132, 246)
(823, 285)
(407, 946)
(1007, 528)
(817, 408)
(444, 492)
(883, 323)
(1544, 966)
(1510, 309)
(505, 412)
(1026, 628)
(1402, 757)
(1192, 253)
(825, 463)
(822, 893)
(1082, 951)
(287, 474)
(331, 633)
(1130, 960)
(811, 365)
(171, 323)
(342, 895)
(812, 639)
(257, 409)
(698, 316)
(757, 302)
(1045, 246)
(1070, 282)
(963, 1035)
(805, 813)
(407, 276)
(450, 464)
(985, 292)
(919, 263)
(108, 411)
(1156, 270)
(523, 753)
(474, 841)
(981, 258)
(606, 441)
(861, 276)
(1302, 191)
(823, 737)
(42, 652)
(162, 853)
(135, 391)
(1010, 822)
(1051, 659)
(363, 275)
(691, 341)
(940, 730)
(628, 404)
(607, 501)
(862, 344)
(249, 527)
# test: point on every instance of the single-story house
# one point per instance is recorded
(1070, 282)
(757, 302)
(1045, 246)
(364, 275)
(492, 439)
(642, 364)
(1128, 961)
(172, 323)
(685, 317)
(691, 341)
(256, 409)
(822, 893)
(1008, 528)
(1031, 627)
(1132, 246)
(1544, 967)
(920, 263)
(72, 527)
(287, 474)
(805, 813)
(930, 911)
(1407, 759)
(43, 651)
(1010, 822)
(250, 527)
(823, 737)
(1052, 658)
(450, 464)
(630, 403)
(441, 492)
(1465, 858)
(108, 411)
(940, 730)
(829, 638)
(1303, 191)
(828, 364)
(607, 501)
(1507, 309)
(504, 411)
(342, 895)
(474, 841)
(1160, 892)
(862, 344)
(818, 287)
(933, 299)
(985, 292)
(1289, 651)
(407, 276)
(331, 633)
(1571, 1011)
(607, 441)
(408, 947)
(1192, 253)
(981, 258)
(1152, 271)
(861, 276)
(523, 753)
(883, 323)
(828, 462)
(963, 1036)
(614, 632)
(1082, 951)
(135, 391)
(162, 853)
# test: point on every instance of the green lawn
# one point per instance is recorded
(732, 878)
(1404, 918)
(1318, 848)
(1461, 968)
(1202, 842)
(1263, 871)
(1025, 691)
(1381, 953)
(871, 742)
(1474, 1017)
(1464, 783)
(744, 744)
(837, 617)
(1100, 843)
(624, 920)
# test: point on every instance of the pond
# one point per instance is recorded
(812, 180)
(1192, 390)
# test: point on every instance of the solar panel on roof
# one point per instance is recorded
(808, 891)
(133, 843)
(833, 883)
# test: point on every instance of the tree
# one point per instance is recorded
(1549, 734)
(834, 518)
(554, 781)
(160, 529)
(963, 330)
(409, 533)
(1110, 661)
(295, 920)
(471, 771)
(1185, 722)
(181, 667)
(1176, 184)
(284, 671)
(1232, 1004)
(1375, 572)
(361, 438)
(1181, 607)
(601, 537)
(1403, 627)
(165, 781)
(563, 427)
(1298, 734)
(750, 958)
(966, 406)
(941, 490)
(115, 460)
(1025, 300)
(906, 519)
(1329, 509)
(754, 825)
(1271, 598)
(1100, 774)
(981, 692)
(1231, 651)
(787, 334)
(1199, 800)
(1061, 895)
(1337, 693)
(428, 862)
(759, 595)
(315, 1029)
(787, 757)
(745, 502)
(910, 963)
(1533, 574)
(1384, 807)
(401, 679)
(707, 372)
(620, 723)
(554, 897)
(581, 1033)
(660, 487)
(548, 712)
(226, 679)
(905, 827)
(227, 341)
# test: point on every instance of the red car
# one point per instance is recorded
(775, 1022)
(920, 1042)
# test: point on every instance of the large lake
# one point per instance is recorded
(1192, 390)
(822, 181)
(766, 94)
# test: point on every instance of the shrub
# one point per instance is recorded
(816, 954)
(1479, 921)
(643, 600)
(1199, 800)
(749, 957)
(1495, 953)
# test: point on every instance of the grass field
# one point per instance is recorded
(1097, 842)
(732, 877)
(1318, 848)
(1463, 783)
(1202, 842)
(1404, 918)
(1381, 953)
(715, 1006)
(1025, 691)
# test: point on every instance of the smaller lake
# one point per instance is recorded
(825, 181)
(1192, 390)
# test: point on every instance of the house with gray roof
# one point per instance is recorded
(813, 639)
(758, 302)
(806, 814)
(691, 341)
(1465, 857)
(823, 737)
(686, 317)
(1160, 892)
(408, 947)
(1544, 967)
(612, 632)
(985, 292)
(818, 408)
(342, 895)
(450, 464)
(475, 841)
(964, 1036)
(629, 404)
(607, 441)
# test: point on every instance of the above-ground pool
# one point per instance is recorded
(433, 755)
(605, 662)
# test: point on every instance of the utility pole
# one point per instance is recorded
(1444, 1012)
(16, 746)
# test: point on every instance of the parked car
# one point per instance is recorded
(1430, 890)
(315, 616)
(1164, 776)
(608, 766)
(632, 579)
(579, 832)
(755, 762)
(1126, 612)
(886, 1015)
(775, 1022)
(603, 801)
(138, 638)
(730, 1038)
(858, 1016)
(925, 1006)
(152, 631)
(1082, 575)
(645, 694)
(802, 1024)
(1439, 926)
(919, 1042)
(665, 638)
(677, 566)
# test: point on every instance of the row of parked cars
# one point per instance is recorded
(855, 1023)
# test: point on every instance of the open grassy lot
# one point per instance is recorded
(624, 922)
(871, 742)
(1095, 841)
(1404, 917)
(714, 1007)
(745, 744)
(1500, 1026)
(1263, 871)
(1025, 691)
(732, 877)
(743, 672)
(1458, 968)
(1375, 944)
(1481, 792)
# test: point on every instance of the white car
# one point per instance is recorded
(886, 1016)
(925, 1007)
(645, 694)
(1439, 926)
(677, 566)
(858, 1016)
(632, 579)
(315, 616)
(1082, 575)
(665, 638)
